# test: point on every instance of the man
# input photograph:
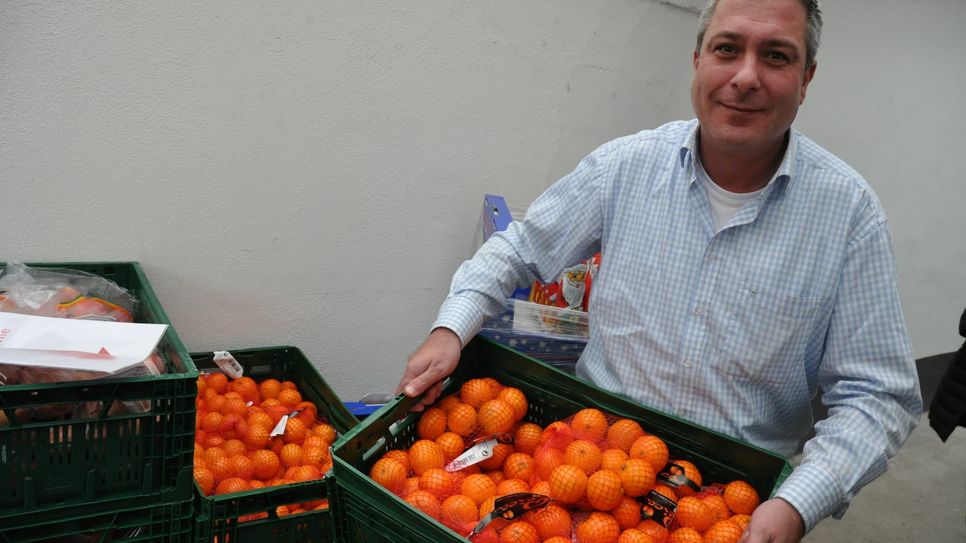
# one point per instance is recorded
(744, 270)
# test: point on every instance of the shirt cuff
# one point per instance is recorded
(813, 492)
(461, 315)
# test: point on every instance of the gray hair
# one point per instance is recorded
(813, 27)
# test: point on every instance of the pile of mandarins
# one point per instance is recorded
(234, 449)
(592, 465)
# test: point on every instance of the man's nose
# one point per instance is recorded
(747, 76)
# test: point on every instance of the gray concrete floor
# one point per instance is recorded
(922, 498)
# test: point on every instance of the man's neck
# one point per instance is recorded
(741, 170)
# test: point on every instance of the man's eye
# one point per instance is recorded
(776, 56)
(726, 49)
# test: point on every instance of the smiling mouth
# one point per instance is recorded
(741, 109)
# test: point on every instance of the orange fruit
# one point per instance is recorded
(312, 456)
(546, 459)
(438, 482)
(604, 491)
(462, 419)
(623, 433)
(212, 422)
(448, 403)
(215, 403)
(217, 382)
(425, 502)
(657, 532)
(233, 447)
(257, 437)
(214, 452)
(478, 487)
(583, 454)
(516, 399)
(740, 497)
(306, 473)
(219, 467)
(269, 389)
(692, 512)
(558, 539)
(598, 528)
(313, 440)
(425, 454)
(400, 455)
(291, 455)
(519, 532)
(241, 466)
(690, 472)
(519, 466)
(325, 431)
(388, 472)
(289, 397)
(231, 485)
(257, 417)
(309, 413)
(627, 513)
(634, 536)
(496, 476)
(234, 406)
(500, 453)
(557, 435)
(511, 486)
(245, 386)
(205, 479)
(295, 431)
(568, 483)
(741, 520)
(526, 438)
(460, 509)
(265, 464)
(495, 386)
(213, 441)
(589, 424)
(409, 486)
(487, 506)
(724, 531)
(542, 487)
(652, 449)
(475, 392)
(612, 459)
(685, 535)
(432, 423)
(551, 521)
(452, 445)
(495, 416)
(718, 507)
(637, 477)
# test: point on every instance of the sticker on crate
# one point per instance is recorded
(598, 473)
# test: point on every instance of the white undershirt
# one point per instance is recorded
(724, 203)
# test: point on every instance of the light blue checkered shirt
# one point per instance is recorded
(736, 329)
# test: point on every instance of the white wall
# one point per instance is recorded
(311, 173)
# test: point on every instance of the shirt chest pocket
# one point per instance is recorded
(765, 334)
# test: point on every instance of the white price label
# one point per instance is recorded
(228, 364)
(474, 455)
(280, 427)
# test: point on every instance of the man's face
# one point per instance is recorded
(749, 75)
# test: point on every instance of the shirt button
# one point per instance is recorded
(712, 258)
(687, 364)
(699, 311)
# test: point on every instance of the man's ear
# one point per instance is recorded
(809, 74)
(695, 59)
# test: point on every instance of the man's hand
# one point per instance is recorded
(774, 521)
(426, 368)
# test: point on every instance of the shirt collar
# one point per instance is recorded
(690, 149)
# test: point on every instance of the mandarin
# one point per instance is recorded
(589, 424)
(598, 528)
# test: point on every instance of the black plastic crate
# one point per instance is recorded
(58, 468)
(366, 512)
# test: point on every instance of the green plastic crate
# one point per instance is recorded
(53, 469)
(219, 514)
(366, 512)
(168, 523)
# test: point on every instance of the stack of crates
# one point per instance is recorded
(368, 513)
(108, 477)
(219, 516)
